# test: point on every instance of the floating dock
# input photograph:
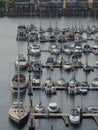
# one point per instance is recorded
(65, 116)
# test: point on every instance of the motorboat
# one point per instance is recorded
(21, 33)
(61, 38)
(18, 113)
(95, 49)
(36, 80)
(74, 117)
(33, 36)
(67, 50)
(67, 65)
(92, 109)
(83, 90)
(61, 81)
(87, 68)
(73, 86)
(78, 49)
(23, 63)
(53, 107)
(49, 87)
(50, 61)
(52, 38)
(85, 84)
(86, 48)
(35, 49)
(42, 38)
(94, 82)
(37, 67)
(54, 49)
(18, 81)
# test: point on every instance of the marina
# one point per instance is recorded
(64, 100)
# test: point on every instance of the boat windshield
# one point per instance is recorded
(74, 112)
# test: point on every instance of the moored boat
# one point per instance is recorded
(18, 81)
(74, 117)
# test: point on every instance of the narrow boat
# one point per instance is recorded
(74, 117)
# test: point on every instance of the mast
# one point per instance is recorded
(18, 79)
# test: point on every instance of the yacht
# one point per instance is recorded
(74, 117)
(72, 87)
(49, 87)
(18, 113)
(23, 63)
(21, 33)
(35, 49)
(18, 81)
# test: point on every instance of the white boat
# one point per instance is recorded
(39, 108)
(74, 117)
(67, 65)
(72, 87)
(23, 63)
(50, 61)
(54, 49)
(94, 82)
(49, 87)
(21, 33)
(36, 80)
(95, 49)
(35, 49)
(61, 81)
(18, 81)
(53, 107)
(33, 36)
(83, 90)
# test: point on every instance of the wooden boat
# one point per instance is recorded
(18, 113)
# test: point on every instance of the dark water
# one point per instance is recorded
(8, 54)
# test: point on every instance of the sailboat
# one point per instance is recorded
(18, 113)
